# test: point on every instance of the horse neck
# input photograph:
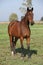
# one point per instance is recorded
(25, 21)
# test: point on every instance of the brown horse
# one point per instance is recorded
(21, 30)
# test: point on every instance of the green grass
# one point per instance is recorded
(36, 44)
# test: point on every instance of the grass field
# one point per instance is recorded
(36, 44)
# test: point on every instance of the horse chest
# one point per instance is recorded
(25, 31)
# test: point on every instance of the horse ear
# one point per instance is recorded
(27, 8)
(32, 8)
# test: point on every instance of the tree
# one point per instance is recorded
(41, 18)
(13, 16)
(27, 3)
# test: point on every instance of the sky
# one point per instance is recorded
(7, 7)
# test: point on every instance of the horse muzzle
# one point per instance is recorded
(32, 23)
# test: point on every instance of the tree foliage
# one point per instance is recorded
(25, 4)
(13, 16)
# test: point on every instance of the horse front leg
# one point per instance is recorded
(28, 46)
(22, 47)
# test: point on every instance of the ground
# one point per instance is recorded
(36, 46)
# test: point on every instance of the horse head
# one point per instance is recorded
(29, 15)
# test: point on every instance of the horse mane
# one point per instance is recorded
(24, 18)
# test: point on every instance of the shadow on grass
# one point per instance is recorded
(25, 51)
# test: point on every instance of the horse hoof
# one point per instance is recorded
(12, 53)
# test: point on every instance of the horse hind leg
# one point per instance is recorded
(11, 45)
(14, 39)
